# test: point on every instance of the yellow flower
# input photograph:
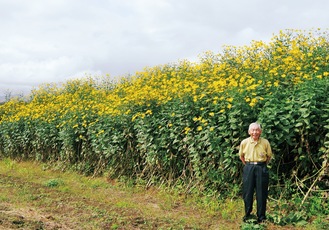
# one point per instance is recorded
(148, 112)
(253, 102)
(197, 118)
(230, 99)
(100, 132)
(199, 128)
(186, 130)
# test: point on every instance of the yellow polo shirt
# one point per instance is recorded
(258, 151)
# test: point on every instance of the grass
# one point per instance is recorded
(35, 197)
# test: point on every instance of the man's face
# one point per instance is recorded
(255, 132)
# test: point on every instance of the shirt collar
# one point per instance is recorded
(252, 140)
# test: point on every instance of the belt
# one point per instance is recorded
(255, 162)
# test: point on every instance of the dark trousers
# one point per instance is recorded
(255, 177)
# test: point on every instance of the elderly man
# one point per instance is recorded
(255, 153)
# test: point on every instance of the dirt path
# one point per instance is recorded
(27, 205)
(11, 218)
(27, 202)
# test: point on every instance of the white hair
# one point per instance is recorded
(255, 124)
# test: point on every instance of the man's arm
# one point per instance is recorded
(269, 153)
(242, 159)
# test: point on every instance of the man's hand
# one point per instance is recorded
(242, 159)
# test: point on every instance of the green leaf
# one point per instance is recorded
(299, 124)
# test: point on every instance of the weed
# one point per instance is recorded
(64, 189)
(10, 164)
(3, 198)
(293, 218)
(231, 209)
(53, 183)
(123, 204)
(321, 222)
(115, 226)
(251, 226)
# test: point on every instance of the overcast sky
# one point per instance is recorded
(50, 41)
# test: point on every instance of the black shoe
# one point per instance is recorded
(246, 218)
(249, 219)
(261, 221)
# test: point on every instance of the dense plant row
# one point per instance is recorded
(182, 123)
